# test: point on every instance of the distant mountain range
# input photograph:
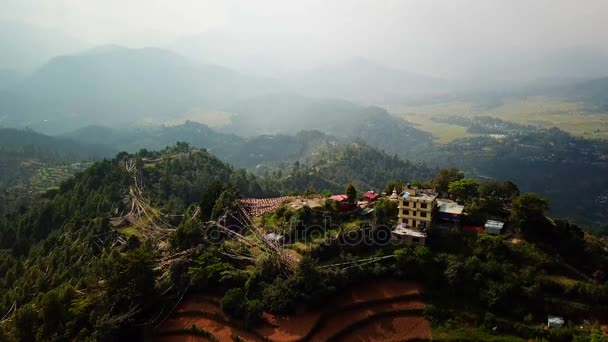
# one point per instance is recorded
(116, 85)
(26, 47)
(362, 80)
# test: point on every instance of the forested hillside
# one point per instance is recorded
(357, 163)
(65, 272)
(548, 161)
(109, 254)
(250, 152)
(289, 114)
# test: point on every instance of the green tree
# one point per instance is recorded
(25, 322)
(385, 211)
(477, 211)
(444, 177)
(528, 214)
(497, 192)
(464, 189)
(253, 311)
(210, 271)
(226, 202)
(189, 233)
(130, 279)
(529, 207)
(210, 196)
(394, 185)
(351, 193)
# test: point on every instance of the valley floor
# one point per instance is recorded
(536, 111)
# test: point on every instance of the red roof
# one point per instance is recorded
(472, 229)
(339, 198)
(370, 195)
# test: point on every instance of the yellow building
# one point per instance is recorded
(416, 207)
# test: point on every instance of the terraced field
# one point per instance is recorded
(48, 177)
(386, 310)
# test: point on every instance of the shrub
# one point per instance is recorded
(253, 311)
(233, 302)
(238, 306)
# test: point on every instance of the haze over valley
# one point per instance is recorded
(130, 130)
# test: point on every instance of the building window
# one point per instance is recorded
(423, 214)
(423, 205)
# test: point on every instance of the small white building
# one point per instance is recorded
(494, 227)
(555, 321)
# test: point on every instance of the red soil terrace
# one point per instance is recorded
(378, 311)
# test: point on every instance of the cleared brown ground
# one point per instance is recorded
(376, 311)
(221, 330)
(346, 318)
(198, 302)
(376, 290)
(184, 338)
(289, 328)
(392, 329)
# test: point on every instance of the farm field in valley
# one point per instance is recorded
(542, 112)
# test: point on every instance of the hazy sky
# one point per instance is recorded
(439, 37)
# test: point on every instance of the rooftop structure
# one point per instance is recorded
(419, 194)
(261, 206)
(408, 236)
(343, 203)
(494, 227)
(449, 210)
(555, 321)
(394, 196)
(449, 207)
(370, 196)
(339, 198)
